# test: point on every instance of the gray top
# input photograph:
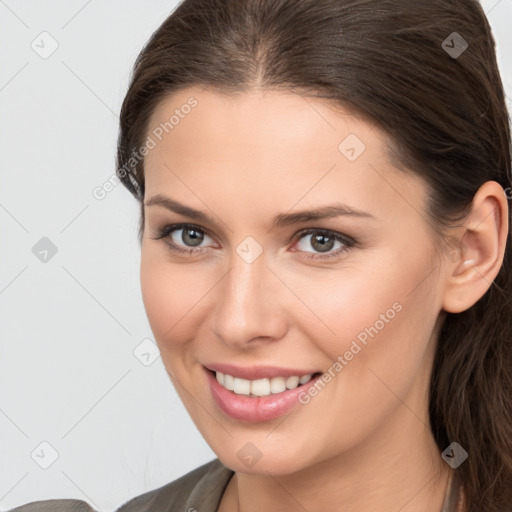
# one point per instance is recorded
(201, 489)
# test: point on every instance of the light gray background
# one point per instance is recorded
(70, 325)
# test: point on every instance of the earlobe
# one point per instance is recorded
(483, 240)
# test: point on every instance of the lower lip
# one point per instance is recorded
(255, 409)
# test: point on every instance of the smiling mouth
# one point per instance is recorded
(261, 387)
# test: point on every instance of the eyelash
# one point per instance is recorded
(165, 232)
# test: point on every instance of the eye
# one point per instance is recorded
(186, 239)
(323, 241)
(191, 236)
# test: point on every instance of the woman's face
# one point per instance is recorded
(257, 296)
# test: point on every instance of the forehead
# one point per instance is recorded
(272, 146)
(271, 118)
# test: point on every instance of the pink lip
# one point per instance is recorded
(257, 372)
(252, 409)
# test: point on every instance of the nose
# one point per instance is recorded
(249, 306)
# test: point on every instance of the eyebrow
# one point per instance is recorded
(281, 220)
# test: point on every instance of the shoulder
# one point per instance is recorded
(200, 489)
(62, 505)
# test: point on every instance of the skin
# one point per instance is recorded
(364, 442)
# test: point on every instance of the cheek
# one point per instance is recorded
(169, 297)
(372, 317)
(383, 324)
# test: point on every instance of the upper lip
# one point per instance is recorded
(257, 372)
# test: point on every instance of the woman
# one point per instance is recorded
(326, 252)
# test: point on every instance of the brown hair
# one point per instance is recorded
(445, 113)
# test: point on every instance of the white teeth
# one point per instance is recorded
(304, 379)
(277, 384)
(260, 387)
(229, 382)
(242, 386)
(292, 382)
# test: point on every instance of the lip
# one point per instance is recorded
(257, 372)
(255, 409)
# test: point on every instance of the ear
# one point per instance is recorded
(483, 242)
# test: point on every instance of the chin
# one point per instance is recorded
(251, 460)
